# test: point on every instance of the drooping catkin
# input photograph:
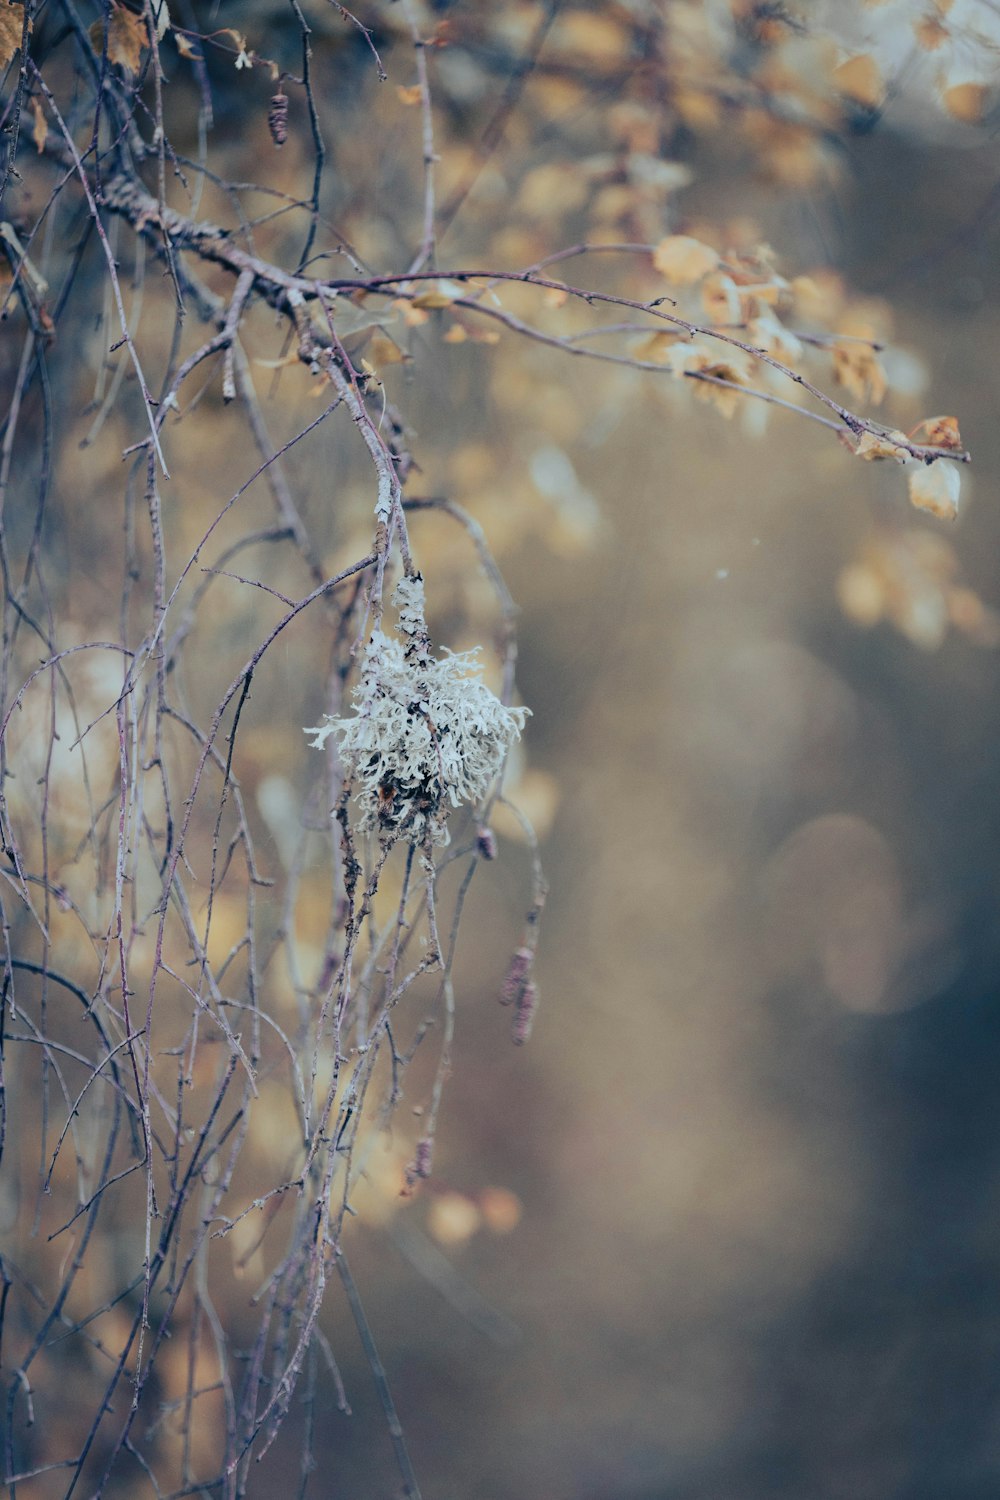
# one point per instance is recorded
(422, 1157)
(277, 118)
(516, 976)
(524, 1016)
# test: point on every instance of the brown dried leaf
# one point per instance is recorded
(857, 366)
(11, 31)
(935, 487)
(185, 48)
(680, 259)
(126, 37)
(408, 93)
(941, 432)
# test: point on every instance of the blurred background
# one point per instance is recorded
(728, 1226)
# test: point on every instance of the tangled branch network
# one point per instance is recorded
(220, 982)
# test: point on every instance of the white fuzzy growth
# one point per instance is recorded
(427, 735)
(408, 597)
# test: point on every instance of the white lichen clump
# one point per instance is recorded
(426, 736)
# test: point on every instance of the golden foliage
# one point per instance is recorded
(11, 31)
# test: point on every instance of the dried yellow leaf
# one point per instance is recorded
(935, 487)
(408, 93)
(11, 31)
(966, 102)
(185, 48)
(126, 37)
(882, 445)
(456, 335)
(681, 259)
(860, 79)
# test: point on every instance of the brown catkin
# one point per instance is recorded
(524, 1016)
(277, 119)
(422, 1157)
(517, 972)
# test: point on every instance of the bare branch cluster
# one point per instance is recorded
(222, 977)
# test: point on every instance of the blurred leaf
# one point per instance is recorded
(126, 38)
(682, 260)
(860, 79)
(39, 130)
(440, 294)
(966, 102)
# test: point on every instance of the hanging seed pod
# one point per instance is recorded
(277, 119)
